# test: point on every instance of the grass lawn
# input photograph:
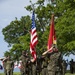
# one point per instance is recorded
(17, 73)
(69, 74)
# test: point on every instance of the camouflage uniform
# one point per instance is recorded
(4, 65)
(9, 66)
(38, 65)
(52, 66)
(24, 60)
(44, 66)
(34, 68)
(59, 65)
(63, 67)
(28, 66)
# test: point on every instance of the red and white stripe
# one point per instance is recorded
(34, 41)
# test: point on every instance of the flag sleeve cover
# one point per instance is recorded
(34, 39)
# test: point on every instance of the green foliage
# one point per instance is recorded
(7, 53)
(16, 29)
(24, 41)
(16, 51)
(17, 32)
(65, 26)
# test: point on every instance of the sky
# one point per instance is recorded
(9, 9)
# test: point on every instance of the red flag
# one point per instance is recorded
(34, 39)
(52, 36)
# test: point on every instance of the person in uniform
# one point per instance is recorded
(33, 63)
(63, 67)
(29, 71)
(53, 59)
(38, 65)
(23, 60)
(4, 64)
(44, 65)
(28, 65)
(9, 66)
(71, 66)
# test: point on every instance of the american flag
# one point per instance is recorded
(34, 39)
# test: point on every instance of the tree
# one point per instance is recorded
(65, 26)
(16, 32)
(16, 29)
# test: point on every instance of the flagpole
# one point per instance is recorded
(33, 25)
(54, 24)
(52, 18)
(32, 4)
(52, 36)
